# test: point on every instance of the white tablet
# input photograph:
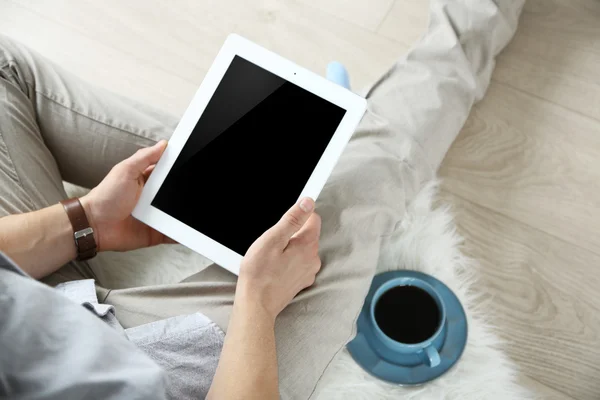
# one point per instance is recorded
(260, 133)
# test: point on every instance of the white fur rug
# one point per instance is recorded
(428, 242)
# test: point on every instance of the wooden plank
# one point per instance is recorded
(366, 14)
(533, 161)
(145, 31)
(406, 21)
(541, 390)
(542, 296)
(94, 61)
(555, 54)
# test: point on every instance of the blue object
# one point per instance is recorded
(337, 73)
(410, 364)
(412, 354)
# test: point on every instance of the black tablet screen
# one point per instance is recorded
(249, 156)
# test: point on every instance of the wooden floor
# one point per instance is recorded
(524, 174)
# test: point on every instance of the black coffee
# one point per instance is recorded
(407, 314)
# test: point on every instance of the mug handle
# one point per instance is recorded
(431, 356)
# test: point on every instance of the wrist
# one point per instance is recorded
(249, 303)
(87, 204)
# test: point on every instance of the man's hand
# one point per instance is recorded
(283, 261)
(109, 205)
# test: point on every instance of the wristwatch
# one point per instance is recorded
(82, 231)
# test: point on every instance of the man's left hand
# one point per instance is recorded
(109, 205)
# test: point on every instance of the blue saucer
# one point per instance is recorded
(383, 363)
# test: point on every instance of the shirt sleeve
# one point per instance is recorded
(52, 348)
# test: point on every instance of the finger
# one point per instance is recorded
(168, 240)
(310, 232)
(146, 157)
(148, 171)
(294, 219)
(156, 237)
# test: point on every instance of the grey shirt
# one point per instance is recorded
(61, 344)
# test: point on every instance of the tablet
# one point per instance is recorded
(260, 133)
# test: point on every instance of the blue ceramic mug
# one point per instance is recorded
(424, 352)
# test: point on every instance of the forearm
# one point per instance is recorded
(40, 242)
(248, 364)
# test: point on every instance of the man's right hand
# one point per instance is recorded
(283, 261)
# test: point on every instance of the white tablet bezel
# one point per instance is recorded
(354, 105)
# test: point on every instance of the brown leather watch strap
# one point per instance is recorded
(82, 231)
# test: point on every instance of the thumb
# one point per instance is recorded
(143, 158)
(294, 219)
